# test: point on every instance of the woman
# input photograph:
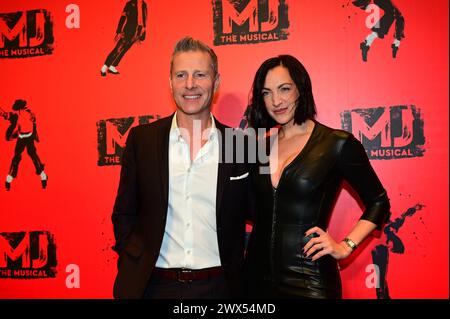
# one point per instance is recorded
(290, 254)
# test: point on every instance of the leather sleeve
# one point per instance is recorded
(125, 207)
(357, 171)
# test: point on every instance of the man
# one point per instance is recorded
(131, 28)
(179, 214)
(23, 128)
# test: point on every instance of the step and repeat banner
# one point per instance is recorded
(77, 75)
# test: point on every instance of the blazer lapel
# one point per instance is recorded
(224, 171)
(163, 156)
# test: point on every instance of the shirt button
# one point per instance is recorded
(188, 224)
(188, 252)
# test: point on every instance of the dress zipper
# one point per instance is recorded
(272, 241)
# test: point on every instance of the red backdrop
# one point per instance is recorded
(73, 104)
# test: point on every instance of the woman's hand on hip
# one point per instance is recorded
(324, 244)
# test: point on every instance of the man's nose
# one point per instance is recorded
(190, 82)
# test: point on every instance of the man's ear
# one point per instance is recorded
(216, 82)
(170, 84)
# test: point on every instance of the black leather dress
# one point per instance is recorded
(304, 198)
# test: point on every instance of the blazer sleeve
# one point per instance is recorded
(251, 200)
(125, 207)
(357, 171)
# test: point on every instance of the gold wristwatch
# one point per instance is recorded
(350, 243)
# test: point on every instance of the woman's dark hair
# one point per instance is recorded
(257, 116)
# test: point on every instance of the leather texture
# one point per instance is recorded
(304, 198)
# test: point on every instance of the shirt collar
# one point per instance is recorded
(175, 133)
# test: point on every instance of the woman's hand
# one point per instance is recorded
(324, 245)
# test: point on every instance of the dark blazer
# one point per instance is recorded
(140, 209)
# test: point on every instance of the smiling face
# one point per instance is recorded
(280, 95)
(193, 82)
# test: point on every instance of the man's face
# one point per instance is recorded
(193, 82)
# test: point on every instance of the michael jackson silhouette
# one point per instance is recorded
(23, 128)
(391, 14)
(131, 28)
(380, 254)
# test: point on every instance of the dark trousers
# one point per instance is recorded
(122, 46)
(28, 143)
(162, 288)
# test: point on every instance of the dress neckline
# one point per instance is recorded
(294, 159)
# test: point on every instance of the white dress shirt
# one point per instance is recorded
(190, 237)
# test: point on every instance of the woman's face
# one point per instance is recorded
(280, 95)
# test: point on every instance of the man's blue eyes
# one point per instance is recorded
(197, 75)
